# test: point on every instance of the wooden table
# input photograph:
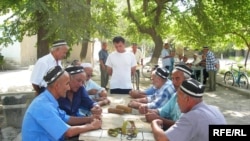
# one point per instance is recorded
(199, 68)
(111, 121)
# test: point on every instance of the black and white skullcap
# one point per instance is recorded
(53, 74)
(184, 68)
(162, 72)
(205, 47)
(59, 43)
(86, 65)
(192, 87)
(74, 69)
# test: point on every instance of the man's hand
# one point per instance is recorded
(92, 91)
(136, 94)
(134, 104)
(96, 110)
(143, 109)
(151, 116)
(96, 116)
(103, 93)
(133, 93)
(103, 67)
(96, 124)
(157, 122)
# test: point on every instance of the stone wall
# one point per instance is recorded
(13, 107)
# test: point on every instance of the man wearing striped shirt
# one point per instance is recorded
(164, 90)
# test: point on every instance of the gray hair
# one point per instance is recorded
(55, 48)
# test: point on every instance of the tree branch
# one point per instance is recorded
(245, 40)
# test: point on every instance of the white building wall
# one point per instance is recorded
(12, 53)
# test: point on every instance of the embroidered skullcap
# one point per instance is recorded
(184, 68)
(74, 69)
(162, 72)
(59, 43)
(86, 65)
(53, 74)
(192, 87)
(205, 47)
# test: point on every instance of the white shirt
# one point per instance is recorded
(165, 61)
(197, 61)
(121, 64)
(41, 67)
(138, 57)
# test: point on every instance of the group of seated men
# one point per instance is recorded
(182, 115)
(65, 108)
(69, 105)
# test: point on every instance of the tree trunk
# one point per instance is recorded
(247, 56)
(85, 41)
(42, 44)
(84, 50)
(158, 47)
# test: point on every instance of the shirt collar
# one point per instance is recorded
(51, 57)
(50, 97)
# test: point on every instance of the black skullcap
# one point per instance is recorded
(74, 69)
(184, 68)
(162, 72)
(59, 43)
(53, 74)
(205, 47)
(134, 44)
(192, 87)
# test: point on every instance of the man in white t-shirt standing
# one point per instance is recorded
(138, 55)
(120, 64)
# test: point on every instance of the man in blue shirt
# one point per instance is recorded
(44, 121)
(77, 101)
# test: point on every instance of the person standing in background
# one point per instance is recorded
(58, 52)
(103, 55)
(120, 65)
(211, 67)
(166, 57)
(138, 55)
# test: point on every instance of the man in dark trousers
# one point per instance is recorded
(103, 55)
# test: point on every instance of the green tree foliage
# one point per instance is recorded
(152, 19)
(215, 23)
(73, 21)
